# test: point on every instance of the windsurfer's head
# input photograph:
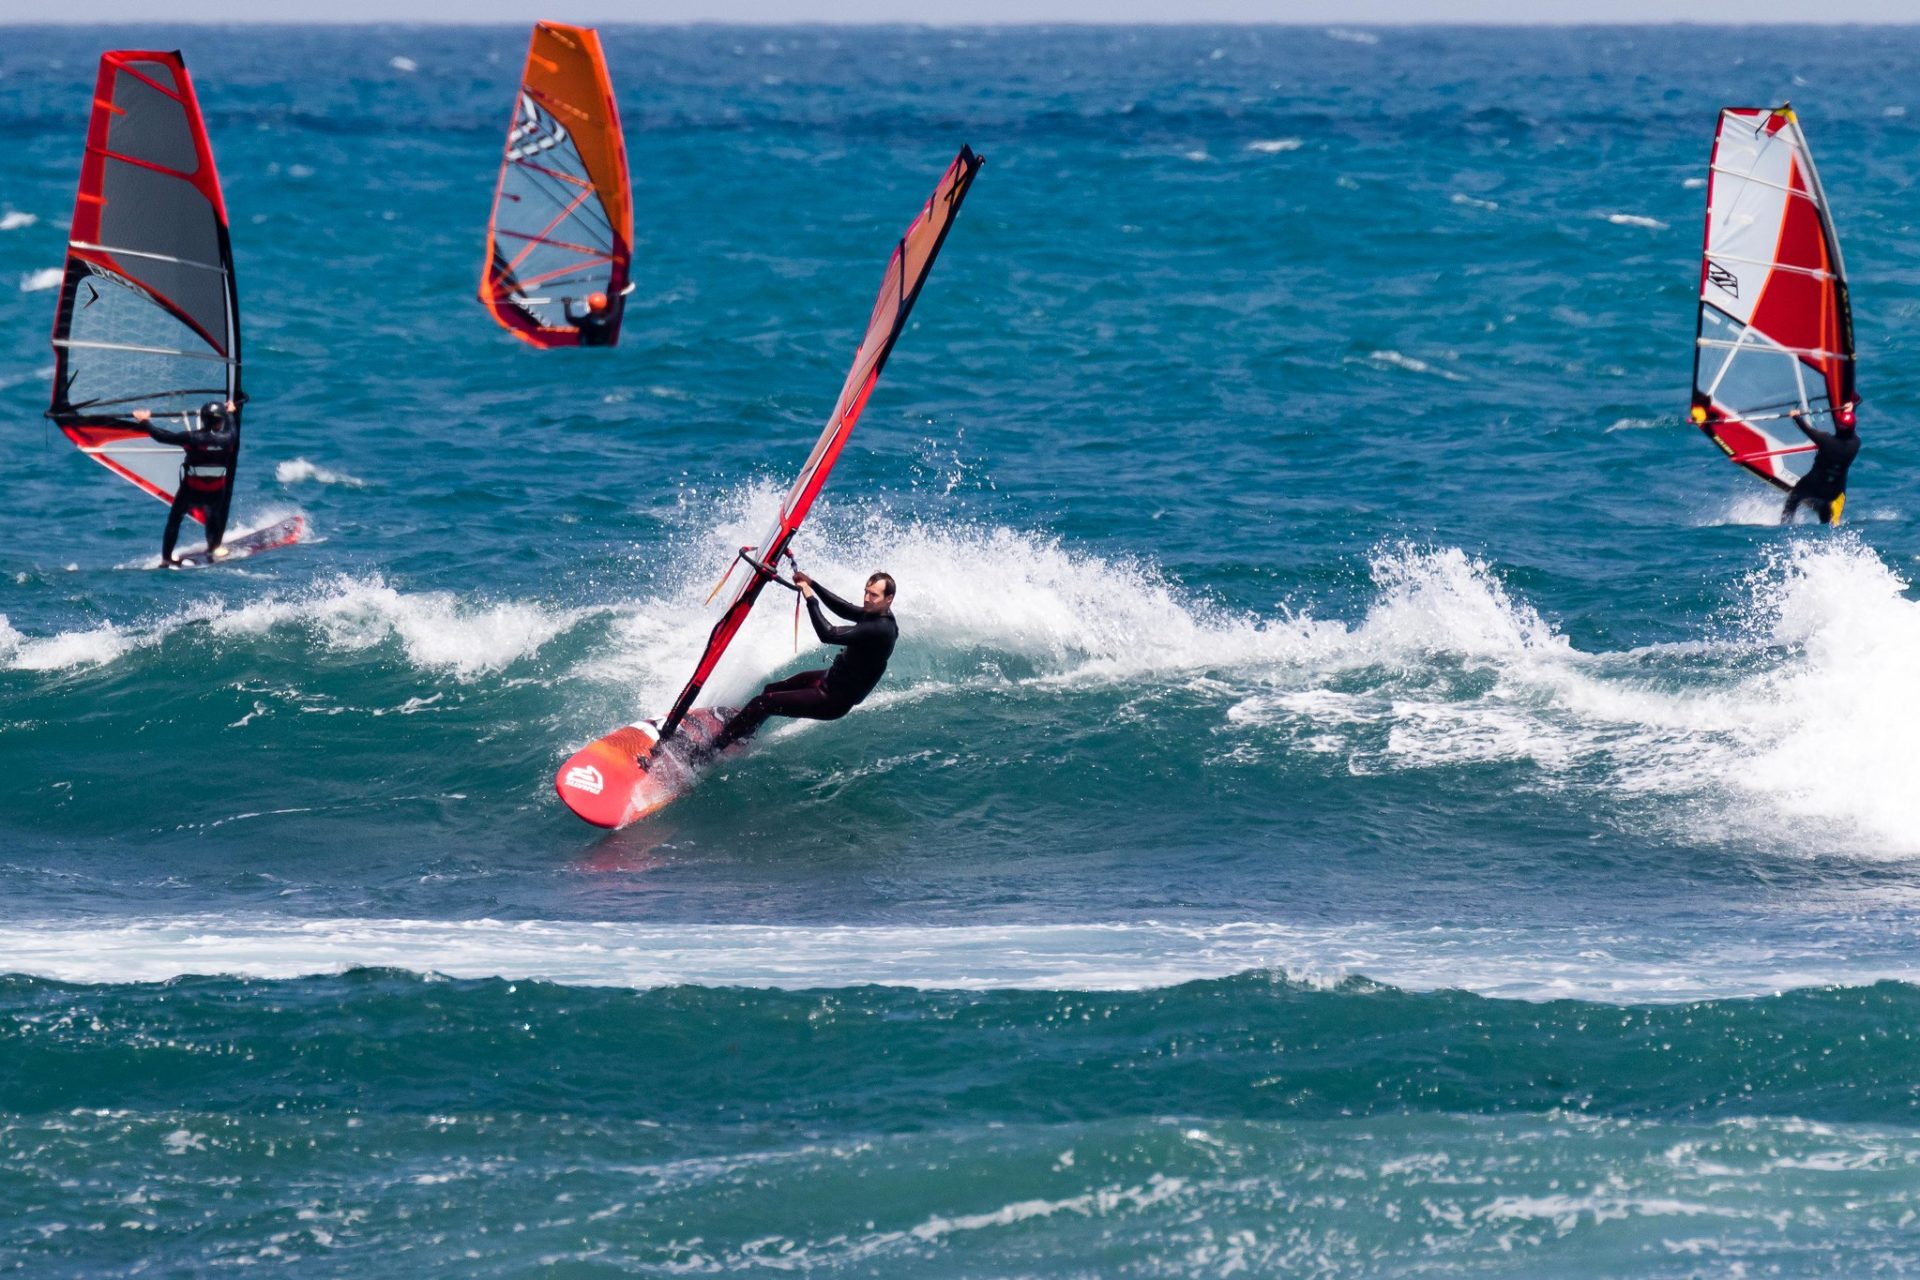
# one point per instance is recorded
(596, 302)
(213, 413)
(1843, 417)
(879, 593)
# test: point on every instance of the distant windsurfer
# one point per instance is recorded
(866, 645)
(1824, 487)
(599, 318)
(212, 445)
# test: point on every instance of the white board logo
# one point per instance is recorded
(584, 777)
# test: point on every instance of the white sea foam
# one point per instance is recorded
(1471, 202)
(1105, 1200)
(90, 647)
(42, 280)
(1350, 36)
(1412, 365)
(1274, 146)
(13, 220)
(1635, 220)
(1694, 184)
(1539, 963)
(403, 64)
(1004, 599)
(1829, 736)
(437, 631)
(1805, 741)
(299, 470)
(32, 375)
(1750, 506)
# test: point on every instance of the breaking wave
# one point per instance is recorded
(1608, 965)
(1796, 717)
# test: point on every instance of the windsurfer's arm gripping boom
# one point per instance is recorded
(810, 588)
(145, 418)
(1810, 431)
(868, 625)
(215, 431)
(828, 633)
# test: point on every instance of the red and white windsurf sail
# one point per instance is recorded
(906, 273)
(562, 226)
(1775, 334)
(148, 317)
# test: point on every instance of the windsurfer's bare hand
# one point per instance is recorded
(802, 581)
(141, 415)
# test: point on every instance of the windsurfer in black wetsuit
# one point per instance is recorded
(1824, 487)
(212, 445)
(598, 323)
(830, 694)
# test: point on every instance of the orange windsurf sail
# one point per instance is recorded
(562, 226)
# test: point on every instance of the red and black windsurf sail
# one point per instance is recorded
(148, 317)
(900, 287)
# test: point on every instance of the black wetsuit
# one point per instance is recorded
(1822, 486)
(829, 694)
(206, 479)
(597, 328)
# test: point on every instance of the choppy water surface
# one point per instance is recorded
(1361, 791)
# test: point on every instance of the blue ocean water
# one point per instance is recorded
(1363, 790)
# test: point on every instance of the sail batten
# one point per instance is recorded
(906, 273)
(562, 210)
(1775, 331)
